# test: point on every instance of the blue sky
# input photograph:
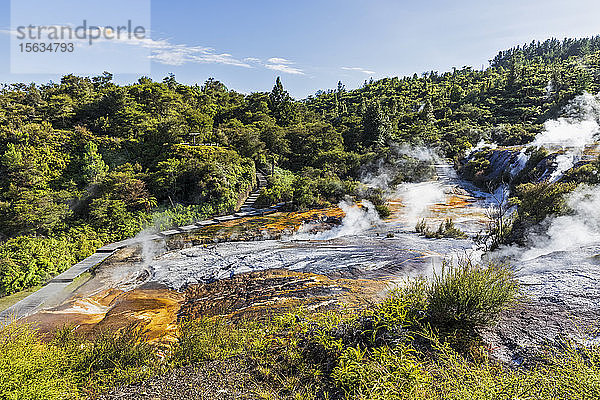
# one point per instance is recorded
(313, 44)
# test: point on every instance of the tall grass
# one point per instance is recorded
(70, 365)
(468, 296)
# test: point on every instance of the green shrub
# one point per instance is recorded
(112, 216)
(31, 369)
(307, 189)
(477, 166)
(215, 338)
(203, 174)
(466, 297)
(377, 197)
(456, 302)
(280, 187)
(29, 261)
(587, 173)
(536, 201)
(179, 215)
(125, 350)
(445, 230)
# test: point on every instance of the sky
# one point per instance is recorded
(310, 44)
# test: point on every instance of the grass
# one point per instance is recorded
(30, 369)
(70, 366)
(405, 347)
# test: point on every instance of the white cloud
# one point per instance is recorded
(358, 69)
(279, 60)
(283, 65)
(164, 51)
(285, 69)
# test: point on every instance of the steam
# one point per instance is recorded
(480, 146)
(383, 173)
(579, 231)
(418, 198)
(421, 153)
(151, 249)
(357, 220)
(570, 232)
(571, 133)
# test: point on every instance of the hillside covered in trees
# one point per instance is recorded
(86, 161)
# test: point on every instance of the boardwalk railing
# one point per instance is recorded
(57, 286)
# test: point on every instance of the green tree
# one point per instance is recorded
(94, 168)
(280, 104)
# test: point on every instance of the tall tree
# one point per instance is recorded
(280, 104)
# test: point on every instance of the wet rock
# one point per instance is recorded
(274, 291)
(536, 326)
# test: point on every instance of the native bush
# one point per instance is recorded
(466, 297)
(31, 369)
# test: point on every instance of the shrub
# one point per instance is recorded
(310, 188)
(456, 303)
(179, 215)
(280, 187)
(109, 215)
(466, 297)
(445, 230)
(214, 338)
(30, 369)
(203, 174)
(477, 167)
(30, 261)
(376, 197)
(586, 173)
(538, 200)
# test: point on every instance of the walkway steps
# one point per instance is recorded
(251, 199)
(33, 302)
(56, 286)
(83, 266)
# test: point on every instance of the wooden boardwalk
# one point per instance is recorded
(56, 288)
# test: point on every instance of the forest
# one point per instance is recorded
(86, 161)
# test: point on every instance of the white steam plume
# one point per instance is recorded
(385, 172)
(357, 220)
(570, 232)
(417, 198)
(571, 133)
